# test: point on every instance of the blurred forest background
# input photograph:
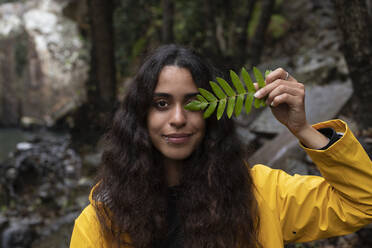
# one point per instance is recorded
(65, 65)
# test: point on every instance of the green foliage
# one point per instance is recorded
(215, 30)
(278, 3)
(10, 1)
(253, 23)
(135, 33)
(224, 95)
(278, 26)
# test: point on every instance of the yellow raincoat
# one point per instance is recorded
(293, 208)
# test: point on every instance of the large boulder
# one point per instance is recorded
(42, 61)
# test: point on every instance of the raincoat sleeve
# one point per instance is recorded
(312, 207)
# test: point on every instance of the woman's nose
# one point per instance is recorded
(178, 116)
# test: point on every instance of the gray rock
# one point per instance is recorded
(24, 146)
(3, 222)
(92, 159)
(320, 64)
(58, 233)
(323, 103)
(82, 201)
(42, 55)
(274, 153)
(17, 236)
(11, 174)
(46, 178)
(48, 171)
(245, 135)
(85, 182)
(10, 25)
(28, 122)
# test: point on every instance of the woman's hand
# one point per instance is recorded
(286, 97)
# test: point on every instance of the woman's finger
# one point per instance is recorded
(285, 89)
(288, 99)
(279, 73)
(270, 87)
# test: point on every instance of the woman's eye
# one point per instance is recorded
(161, 104)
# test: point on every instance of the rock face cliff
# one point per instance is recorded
(43, 62)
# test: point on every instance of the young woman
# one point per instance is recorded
(169, 178)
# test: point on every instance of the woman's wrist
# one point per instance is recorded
(311, 138)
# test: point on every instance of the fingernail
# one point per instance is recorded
(272, 104)
(257, 94)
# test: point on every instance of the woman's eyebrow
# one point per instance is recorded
(161, 94)
(166, 95)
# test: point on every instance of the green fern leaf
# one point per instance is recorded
(258, 75)
(196, 105)
(248, 81)
(257, 103)
(193, 106)
(226, 95)
(226, 87)
(201, 98)
(212, 106)
(203, 105)
(239, 105)
(237, 83)
(261, 83)
(230, 106)
(209, 96)
(248, 103)
(221, 108)
(217, 90)
(267, 72)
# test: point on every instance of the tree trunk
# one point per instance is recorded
(102, 54)
(258, 40)
(210, 27)
(10, 102)
(242, 37)
(355, 25)
(91, 119)
(369, 7)
(167, 28)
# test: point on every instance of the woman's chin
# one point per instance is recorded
(177, 155)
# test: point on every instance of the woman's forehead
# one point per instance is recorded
(173, 79)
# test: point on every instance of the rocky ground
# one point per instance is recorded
(42, 190)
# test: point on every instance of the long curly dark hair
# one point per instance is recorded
(217, 205)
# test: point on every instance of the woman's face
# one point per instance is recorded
(175, 131)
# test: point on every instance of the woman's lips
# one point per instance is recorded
(177, 138)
